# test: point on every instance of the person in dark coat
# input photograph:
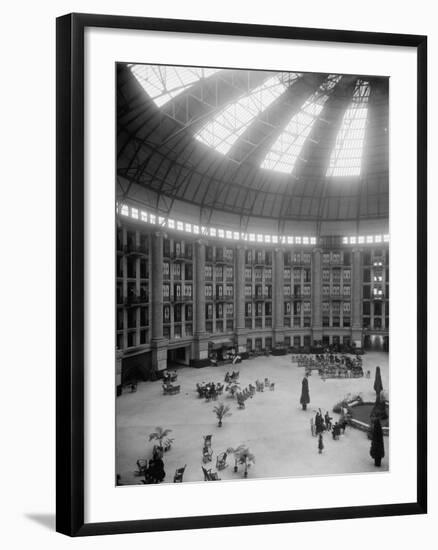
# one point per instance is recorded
(305, 397)
(319, 424)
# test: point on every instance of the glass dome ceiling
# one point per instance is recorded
(256, 142)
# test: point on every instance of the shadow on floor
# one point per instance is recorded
(46, 520)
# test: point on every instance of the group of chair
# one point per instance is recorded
(233, 377)
(250, 391)
(170, 376)
(243, 395)
(333, 371)
(207, 456)
(209, 475)
(170, 389)
(330, 365)
(152, 470)
(210, 391)
(131, 386)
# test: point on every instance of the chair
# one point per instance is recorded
(240, 402)
(207, 455)
(221, 461)
(207, 440)
(272, 386)
(142, 465)
(209, 475)
(179, 473)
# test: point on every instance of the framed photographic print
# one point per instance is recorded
(241, 274)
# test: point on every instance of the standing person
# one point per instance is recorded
(318, 423)
(305, 397)
(320, 444)
(343, 425)
(328, 421)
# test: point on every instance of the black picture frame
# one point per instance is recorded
(70, 273)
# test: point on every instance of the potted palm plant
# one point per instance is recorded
(221, 411)
(242, 455)
(160, 435)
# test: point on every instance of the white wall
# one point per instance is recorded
(28, 195)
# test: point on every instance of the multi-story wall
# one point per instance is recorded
(375, 296)
(182, 296)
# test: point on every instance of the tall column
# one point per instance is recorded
(119, 355)
(200, 335)
(200, 287)
(158, 345)
(240, 299)
(317, 296)
(137, 289)
(279, 296)
(125, 289)
(356, 326)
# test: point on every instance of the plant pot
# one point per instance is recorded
(220, 424)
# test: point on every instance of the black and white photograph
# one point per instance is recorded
(252, 270)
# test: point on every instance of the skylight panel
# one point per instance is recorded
(287, 149)
(164, 83)
(346, 157)
(223, 131)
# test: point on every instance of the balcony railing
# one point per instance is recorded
(135, 249)
(183, 298)
(224, 260)
(135, 300)
(181, 256)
